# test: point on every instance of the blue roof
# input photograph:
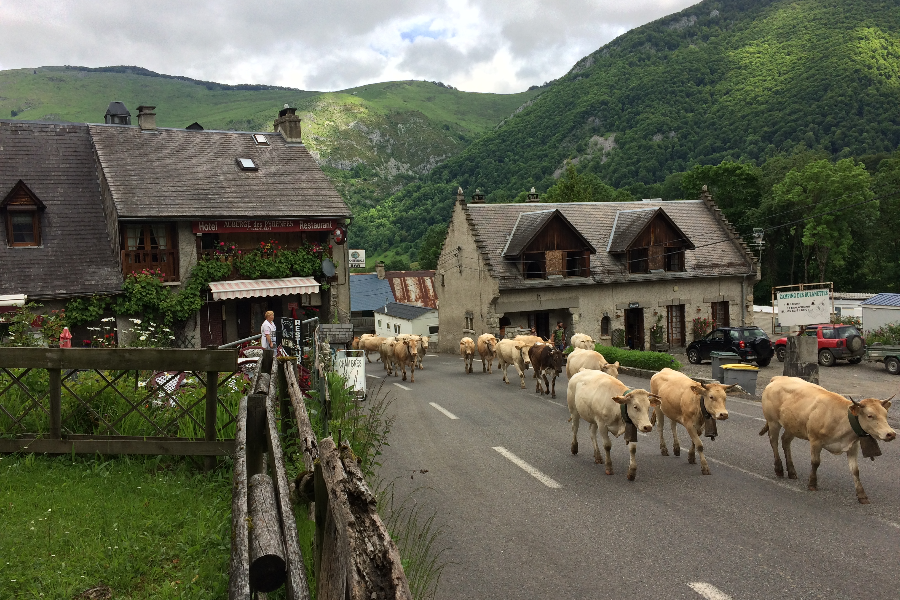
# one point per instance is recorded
(883, 299)
(367, 292)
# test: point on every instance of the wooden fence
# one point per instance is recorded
(354, 556)
(112, 368)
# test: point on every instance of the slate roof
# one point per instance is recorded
(407, 312)
(179, 174)
(76, 255)
(528, 224)
(716, 253)
(367, 292)
(883, 299)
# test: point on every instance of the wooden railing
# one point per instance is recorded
(166, 261)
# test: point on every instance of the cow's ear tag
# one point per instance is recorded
(709, 428)
(630, 432)
(869, 447)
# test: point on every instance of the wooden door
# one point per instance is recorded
(675, 324)
(720, 314)
(634, 328)
(212, 325)
(542, 325)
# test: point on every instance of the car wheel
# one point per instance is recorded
(892, 365)
(855, 360)
(764, 362)
(780, 351)
(826, 358)
(693, 356)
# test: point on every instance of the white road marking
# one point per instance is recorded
(444, 410)
(734, 412)
(756, 404)
(708, 591)
(557, 403)
(550, 483)
(756, 475)
(375, 376)
(402, 387)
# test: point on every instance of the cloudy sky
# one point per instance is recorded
(474, 45)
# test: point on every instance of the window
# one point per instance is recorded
(432, 329)
(639, 260)
(396, 328)
(379, 322)
(23, 216)
(604, 326)
(149, 246)
(470, 322)
(534, 265)
(247, 164)
(720, 314)
(260, 139)
(674, 259)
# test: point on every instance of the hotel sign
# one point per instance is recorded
(261, 225)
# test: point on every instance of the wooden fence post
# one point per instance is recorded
(268, 569)
(239, 585)
(284, 397)
(212, 392)
(321, 508)
(55, 392)
(256, 434)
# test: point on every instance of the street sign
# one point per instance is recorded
(807, 307)
(357, 259)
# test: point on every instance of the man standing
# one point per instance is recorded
(559, 337)
(268, 331)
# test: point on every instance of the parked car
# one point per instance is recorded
(750, 343)
(836, 342)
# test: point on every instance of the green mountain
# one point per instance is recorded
(371, 139)
(739, 80)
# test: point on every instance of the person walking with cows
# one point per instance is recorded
(559, 336)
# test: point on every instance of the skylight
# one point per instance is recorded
(260, 139)
(247, 164)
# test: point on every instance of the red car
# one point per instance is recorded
(836, 342)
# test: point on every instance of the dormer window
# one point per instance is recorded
(650, 241)
(547, 246)
(22, 210)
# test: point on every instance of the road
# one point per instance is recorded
(570, 531)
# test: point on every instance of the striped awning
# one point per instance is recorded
(250, 288)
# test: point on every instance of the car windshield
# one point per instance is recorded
(754, 333)
(844, 332)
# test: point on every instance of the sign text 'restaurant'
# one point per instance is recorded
(261, 225)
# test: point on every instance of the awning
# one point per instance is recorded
(250, 288)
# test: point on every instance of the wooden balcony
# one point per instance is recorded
(164, 260)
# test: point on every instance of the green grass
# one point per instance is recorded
(145, 527)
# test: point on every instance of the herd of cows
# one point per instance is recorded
(791, 406)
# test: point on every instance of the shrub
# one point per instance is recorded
(700, 326)
(887, 334)
(639, 359)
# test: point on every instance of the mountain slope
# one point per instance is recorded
(371, 139)
(725, 79)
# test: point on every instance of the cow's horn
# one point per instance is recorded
(891, 398)
(854, 401)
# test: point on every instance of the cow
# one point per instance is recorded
(487, 348)
(467, 351)
(545, 359)
(605, 403)
(423, 350)
(512, 352)
(688, 402)
(583, 341)
(386, 349)
(354, 345)
(591, 360)
(405, 352)
(370, 343)
(828, 420)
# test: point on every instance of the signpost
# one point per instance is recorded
(352, 367)
(805, 307)
(357, 259)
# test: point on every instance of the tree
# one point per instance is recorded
(430, 247)
(834, 195)
(575, 186)
(736, 188)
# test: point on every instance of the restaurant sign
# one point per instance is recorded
(260, 225)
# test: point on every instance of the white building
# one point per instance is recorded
(849, 304)
(395, 318)
(880, 310)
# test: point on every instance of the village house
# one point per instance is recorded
(369, 291)
(612, 270)
(106, 200)
(397, 318)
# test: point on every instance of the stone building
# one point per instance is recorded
(612, 270)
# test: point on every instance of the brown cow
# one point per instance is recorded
(370, 343)
(544, 358)
(487, 348)
(826, 419)
(355, 344)
(386, 349)
(405, 353)
(467, 351)
(685, 401)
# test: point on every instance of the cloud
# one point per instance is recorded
(476, 45)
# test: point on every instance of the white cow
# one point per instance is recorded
(370, 343)
(582, 340)
(591, 360)
(605, 402)
(467, 351)
(387, 354)
(423, 349)
(512, 352)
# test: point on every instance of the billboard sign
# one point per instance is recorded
(806, 307)
(357, 259)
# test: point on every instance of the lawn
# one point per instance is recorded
(144, 527)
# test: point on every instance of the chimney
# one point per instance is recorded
(288, 124)
(117, 114)
(379, 269)
(478, 197)
(146, 118)
(533, 196)
(460, 197)
(704, 194)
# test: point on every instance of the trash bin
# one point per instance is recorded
(719, 359)
(742, 375)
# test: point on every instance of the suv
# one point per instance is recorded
(836, 342)
(750, 343)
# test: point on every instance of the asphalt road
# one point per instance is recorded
(673, 533)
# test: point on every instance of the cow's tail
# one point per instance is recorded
(764, 430)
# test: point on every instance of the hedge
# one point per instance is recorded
(638, 359)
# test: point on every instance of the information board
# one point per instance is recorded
(351, 365)
(288, 335)
(357, 259)
(808, 307)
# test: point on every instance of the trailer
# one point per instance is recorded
(889, 355)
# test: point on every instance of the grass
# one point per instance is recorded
(144, 527)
